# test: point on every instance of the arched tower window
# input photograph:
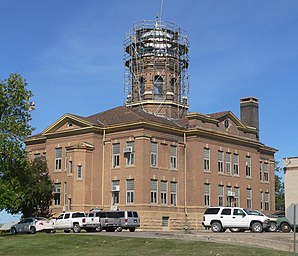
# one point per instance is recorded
(141, 87)
(158, 87)
(173, 84)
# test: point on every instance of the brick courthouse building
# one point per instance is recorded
(153, 155)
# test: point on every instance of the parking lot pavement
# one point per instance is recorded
(272, 240)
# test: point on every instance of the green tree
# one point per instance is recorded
(279, 189)
(20, 180)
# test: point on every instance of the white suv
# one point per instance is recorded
(234, 218)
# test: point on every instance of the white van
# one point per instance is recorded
(129, 220)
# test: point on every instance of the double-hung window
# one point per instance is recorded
(266, 172)
(261, 171)
(130, 187)
(261, 200)
(116, 155)
(57, 193)
(163, 192)
(173, 157)
(248, 198)
(153, 192)
(228, 163)
(220, 195)
(236, 164)
(70, 167)
(115, 192)
(220, 156)
(173, 188)
(130, 154)
(237, 197)
(207, 195)
(248, 166)
(206, 159)
(58, 158)
(267, 201)
(229, 197)
(153, 154)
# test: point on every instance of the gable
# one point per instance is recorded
(67, 123)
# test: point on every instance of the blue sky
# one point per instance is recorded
(71, 54)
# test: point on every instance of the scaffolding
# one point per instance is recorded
(156, 65)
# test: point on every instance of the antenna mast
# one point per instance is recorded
(160, 12)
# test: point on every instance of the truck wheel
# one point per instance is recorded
(216, 226)
(234, 230)
(98, 229)
(256, 227)
(119, 229)
(285, 227)
(272, 226)
(76, 228)
(66, 230)
(132, 229)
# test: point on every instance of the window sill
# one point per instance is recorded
(57, 171)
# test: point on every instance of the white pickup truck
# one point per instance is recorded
(76, 221)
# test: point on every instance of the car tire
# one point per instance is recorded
(66, 230)
(132, 229)
(257, 227)
(272, 226)
(119, 229)
(76, 228)
(13, 231)
(235, 230)
(216, 226)
(98, 229)
(32, 230)
(285, 227)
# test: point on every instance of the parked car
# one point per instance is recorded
(129, 220)
(32, 225)
(272, 225)
(234, 218)
(109, 220)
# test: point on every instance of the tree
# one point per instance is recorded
(279, 189)
(20, 181)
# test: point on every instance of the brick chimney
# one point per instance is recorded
(249, 112)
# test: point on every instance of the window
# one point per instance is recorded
(173, 157)
(237, 197)
(130, 186)
(153, 193)
(207, 195)
(58, 158)
(261, 171)
(36, 155)
(173, 188)
(173, 84)
(79, 172)
(261, 200)
(158, 87)
(226, 211)
(130, 156)
(163, 192)
(228, 163)
(248, 166)
(266, 172)
(70, 167)
(206, 159)
(229, 197)
(248, 198)
(236, 164)
(165, 221)
(220, 195)
(220, 161)
(116, 155)
(153, 154)
(267, 201)
(115, 192)
(141, 87)
(57, 193)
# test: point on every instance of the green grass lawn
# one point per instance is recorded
(70, 244)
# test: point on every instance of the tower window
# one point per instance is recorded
(173, 84)
(141, 87)
(158, 87)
